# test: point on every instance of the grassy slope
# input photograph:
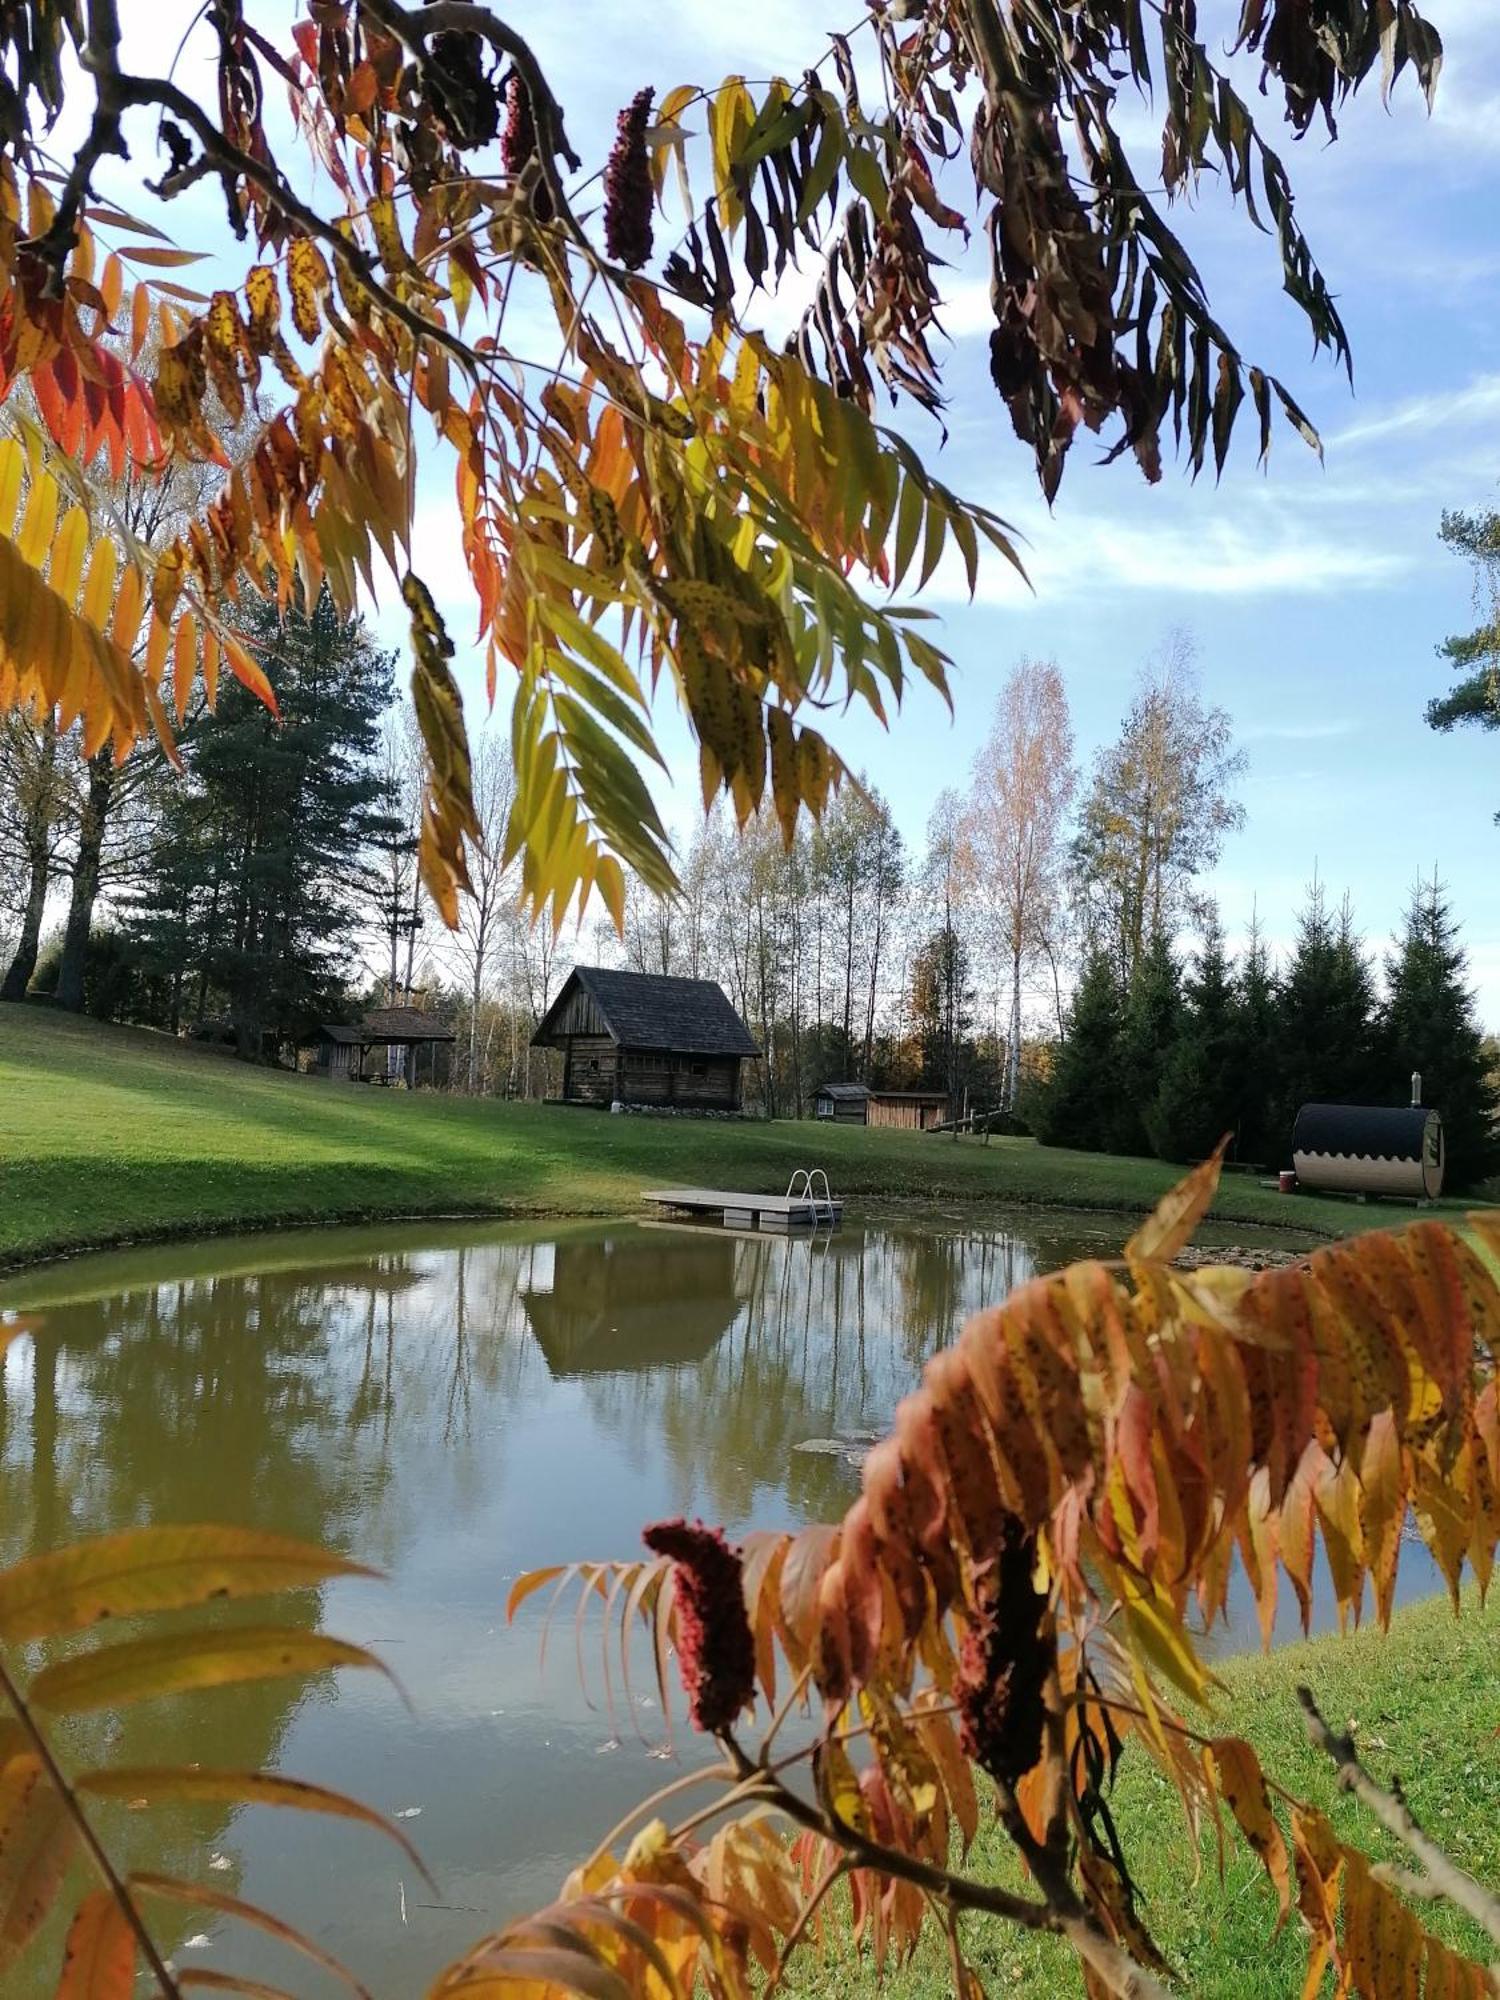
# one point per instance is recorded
(108, 1134)
(1426, 1703)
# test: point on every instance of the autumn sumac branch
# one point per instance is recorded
(655, 492)
(144, 1575)
(1012, 1601)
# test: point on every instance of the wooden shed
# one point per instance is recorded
(1369, 1149)
(643, 1038)
(859, 1104)
(342, 1051)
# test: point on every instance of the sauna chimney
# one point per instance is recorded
(1416, 1088)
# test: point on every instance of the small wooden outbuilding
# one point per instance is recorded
(1369, 1149)
(646, 1039)
(341, 1051)
(858, 1104)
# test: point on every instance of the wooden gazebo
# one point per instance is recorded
(341, 1050)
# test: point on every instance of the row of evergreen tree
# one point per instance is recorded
(1185, 1055)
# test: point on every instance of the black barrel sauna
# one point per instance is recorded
(1369, 1149)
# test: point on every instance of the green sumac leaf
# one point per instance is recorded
(908, 528)
(823, 173)
(178, 1662)
(155, 1569)
(141, 1787)
(864, 171)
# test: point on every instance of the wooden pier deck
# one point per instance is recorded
(738, 1210)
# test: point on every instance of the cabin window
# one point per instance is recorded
(825, 1107)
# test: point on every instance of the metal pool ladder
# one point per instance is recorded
(803, 1186)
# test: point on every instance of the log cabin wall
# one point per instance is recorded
(596, 1072)
(654, 1076)
(590, 1070)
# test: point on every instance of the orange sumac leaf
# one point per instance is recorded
(1171, 1223)
(99, 1955)
(1243, 1788)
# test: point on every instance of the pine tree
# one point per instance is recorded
(1256, 1055)
(1081, 1102)
(255, 896)
(1430, 1026)
(1198, 1098)
(1327, 1020)
(1153, 1019)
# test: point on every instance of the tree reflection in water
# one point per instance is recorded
(454, 1406)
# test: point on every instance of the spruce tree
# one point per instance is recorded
(1327, 1020)
(1256, 1055)
(1198, 1098)
(1430, 1026)
(1153, 1021)
(255, 897)
(1080, 1104)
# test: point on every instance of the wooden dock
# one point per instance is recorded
(737, 1210)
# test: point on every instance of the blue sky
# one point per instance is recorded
(1316, 594)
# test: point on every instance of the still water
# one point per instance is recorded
(456, 1406)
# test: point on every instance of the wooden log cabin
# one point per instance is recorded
(858, 1104)
(640, 1038)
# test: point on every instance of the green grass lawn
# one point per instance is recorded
(113, 1134)
(1424, 1702)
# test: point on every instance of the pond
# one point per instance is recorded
(457, 1405)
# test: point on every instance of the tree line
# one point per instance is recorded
(1191, 1048)
(1028, 959)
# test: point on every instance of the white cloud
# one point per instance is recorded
(1477, 399)
(1213, 556)
(1299, 732)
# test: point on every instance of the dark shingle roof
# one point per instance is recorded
(645, 1010)
(844, 1093)
(390, 1024)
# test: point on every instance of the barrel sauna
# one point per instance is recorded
(1369, 1149)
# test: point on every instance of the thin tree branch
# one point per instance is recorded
(1444, 1877)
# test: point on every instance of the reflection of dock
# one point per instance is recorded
(737, 1210)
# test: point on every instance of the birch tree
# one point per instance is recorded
(1013, 822)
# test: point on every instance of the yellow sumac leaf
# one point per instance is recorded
(162, 257)
(194, 1896)
(248, 673)
(177, 1662)
(39, 523)
(68, 550)
(211, 1981)
(143, 1786)
(1171, 1223)
(211, 653)
(99, 588)
(140, 318)
(12, 471)
(37, 1837)
(126, 624)
(99, 1955)
(157, 644)
(184, 662)
(263, 298)
(155, 1569)
(528, 1585)
(307, 282)
(1243, 1787)
(840, 1786)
